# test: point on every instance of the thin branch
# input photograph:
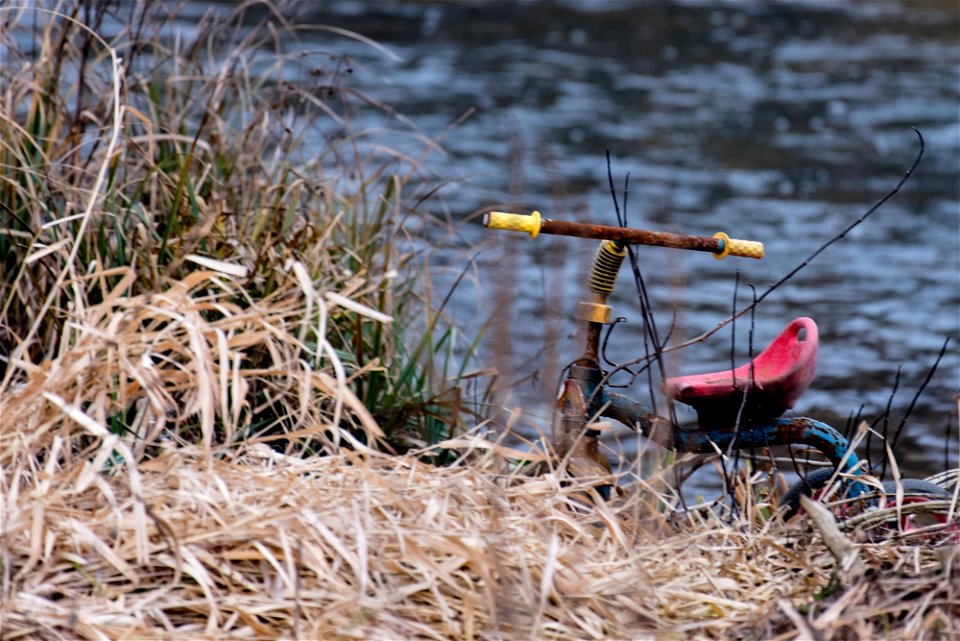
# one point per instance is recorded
(936, 363)
(886, 422)
(811, 257)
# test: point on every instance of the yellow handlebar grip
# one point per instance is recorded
(737, 247)
(513, 222)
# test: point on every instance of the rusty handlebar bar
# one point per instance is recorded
(720, 245)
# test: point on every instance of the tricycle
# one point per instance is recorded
(737, 409)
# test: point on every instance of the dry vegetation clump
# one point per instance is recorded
(126, 169)
(246, 542)
(222, 415)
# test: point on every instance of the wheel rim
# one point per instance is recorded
(907, 522)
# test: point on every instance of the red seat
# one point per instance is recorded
(781, 374)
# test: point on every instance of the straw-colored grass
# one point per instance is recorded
(128, 169)
(143, 535)
(200, 423)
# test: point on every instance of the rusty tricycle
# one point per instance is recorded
(737, 409)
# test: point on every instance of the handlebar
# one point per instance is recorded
(720, 245)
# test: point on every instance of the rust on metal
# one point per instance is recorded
(591, 352)
(792, 432)
(571, 436)
(569, 419)
(629, 236)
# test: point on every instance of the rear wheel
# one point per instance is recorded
(917, 491)
(914, 491)
(810, 485)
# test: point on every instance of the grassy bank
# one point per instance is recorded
(227, 385)
(192, 171)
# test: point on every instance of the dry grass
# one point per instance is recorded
(128, 167)
(147, 535)
(163, 389)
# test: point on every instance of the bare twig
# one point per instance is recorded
(793, 272)
(923, 386)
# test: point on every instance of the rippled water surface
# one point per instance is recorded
(776, 121)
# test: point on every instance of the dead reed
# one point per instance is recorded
(213, 349)
(205, 541)
(127, 168)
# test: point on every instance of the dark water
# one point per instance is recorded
(776, 121)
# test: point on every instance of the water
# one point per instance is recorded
(776, 121)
